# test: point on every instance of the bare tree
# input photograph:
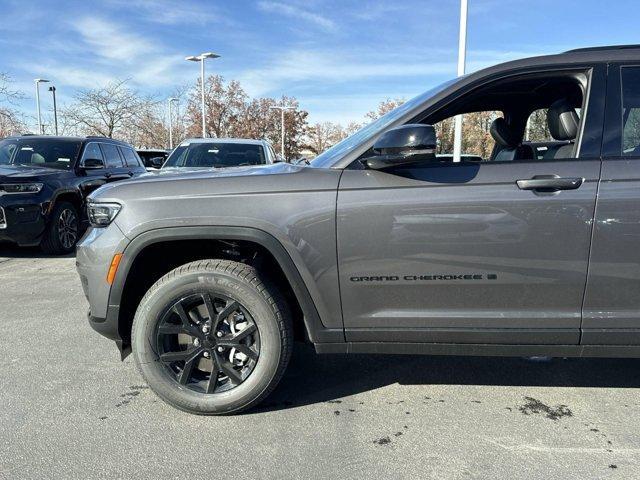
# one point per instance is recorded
(384, 107)
(324, 135)
(11, 121)
(224, 106)
(106, 111)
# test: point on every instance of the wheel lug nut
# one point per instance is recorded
(220, 349)
(219, 334)
(206, 354)
(205, 328)
(196, 342)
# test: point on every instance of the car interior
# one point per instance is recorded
(47, 153)
(560, 94)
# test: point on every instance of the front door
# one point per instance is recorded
(471, 252)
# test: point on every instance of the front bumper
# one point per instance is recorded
(22, 220)
(93, 258)
(108, 327)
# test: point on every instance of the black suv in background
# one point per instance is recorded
(44, 181)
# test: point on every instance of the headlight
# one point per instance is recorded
(102, 214)
(20, 187)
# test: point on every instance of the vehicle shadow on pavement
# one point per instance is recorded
(10, 251)
(313, 378)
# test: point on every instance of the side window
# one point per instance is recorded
(477, 142)
(111, 155)
(630, 110)
(92, 151)
(130, 157)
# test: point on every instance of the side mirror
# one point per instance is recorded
(279, 158)
(403, 145)
(92, 164)
(157, 162)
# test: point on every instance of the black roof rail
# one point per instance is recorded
(604, 47)
(98, 136)
(28, 135)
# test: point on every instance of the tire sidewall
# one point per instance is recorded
(161, 297)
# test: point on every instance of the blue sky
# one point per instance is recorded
(338, 57)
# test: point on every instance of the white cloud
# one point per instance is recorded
(297, 13)
(109, 40)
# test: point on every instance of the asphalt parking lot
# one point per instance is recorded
(71, 409)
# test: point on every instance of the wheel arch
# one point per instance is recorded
(314, 329)
(72, 196)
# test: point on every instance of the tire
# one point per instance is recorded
(62, 230)
(175, 310)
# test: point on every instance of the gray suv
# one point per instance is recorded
(379, 245)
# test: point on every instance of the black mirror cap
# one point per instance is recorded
(92, 163)
(406, 138)
(411, 143)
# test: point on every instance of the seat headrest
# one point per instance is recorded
(563, 120)
(503, 134)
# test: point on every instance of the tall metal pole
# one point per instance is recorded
(201, 58)
(462, 56)
(204, 128)
(52, 89)
(38, 82)
(171, 100)
(282, 128)
(38, 106)
(282, 109)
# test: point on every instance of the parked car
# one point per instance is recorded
(44, 181)
(378, 246)
(220, 153)
(153, 158)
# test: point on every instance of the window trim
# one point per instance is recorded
(613, 135)
(82, 159)
(591, 122)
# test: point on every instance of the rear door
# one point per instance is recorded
(132, 161)
(612, 299)
(115, 164)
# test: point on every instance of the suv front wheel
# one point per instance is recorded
(212, 337)
(62, 231)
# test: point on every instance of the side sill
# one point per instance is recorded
(467, 349)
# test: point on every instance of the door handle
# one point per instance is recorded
(550, 183)
(130, 174)
(107, 175)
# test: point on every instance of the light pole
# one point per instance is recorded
(170, 101)
(38, 82)
(462, 56)
(201, 58)
(52, 89)
(282, 109)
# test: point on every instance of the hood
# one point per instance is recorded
(183, 182)
(26, 173)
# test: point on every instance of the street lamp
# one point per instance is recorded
(170, 102)
(52, 89)
(462, 57)
(282, 109)
(38, 82)
(201, 58)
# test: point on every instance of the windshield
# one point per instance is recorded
(39, 152)
(216, 155)
(327, 158)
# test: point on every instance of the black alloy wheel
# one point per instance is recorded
(67, 228)
(208, 343)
